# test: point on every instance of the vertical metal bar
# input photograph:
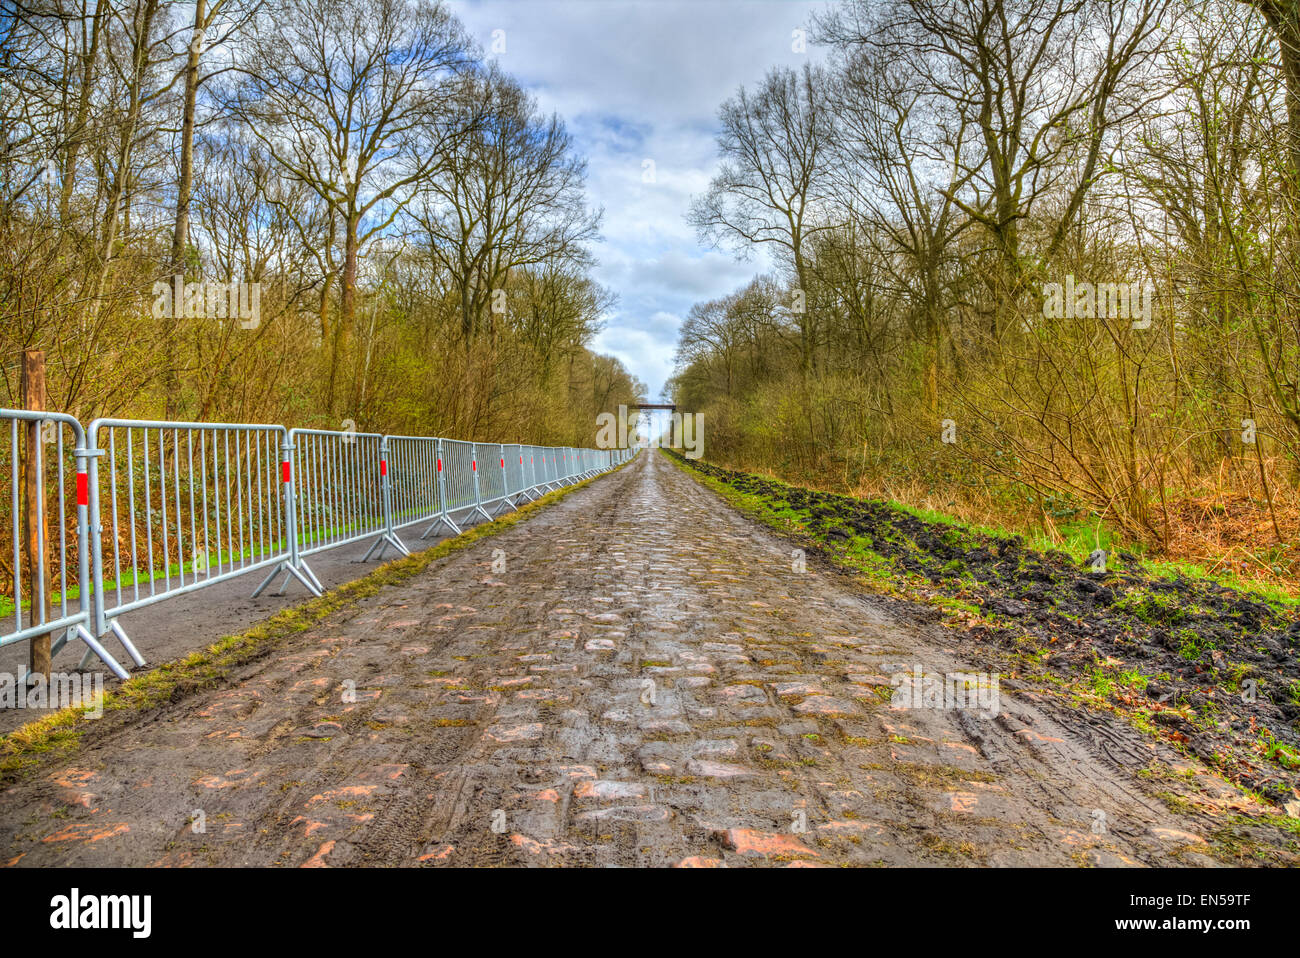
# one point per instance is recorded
(113, 532)
(239, 494)
(442, 481)
(262, 439)
(287, 482)
(194, 534)
(310, 488)
(162, 501)
(96, 535)
(230, 513)
(216, 501)
(14, 498)
(38, 594)
(148, 508)
(176, 493)
(63, 528)
(194, 530)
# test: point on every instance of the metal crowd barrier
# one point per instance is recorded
(165, 508)
(458, 477)
(532, 469)
(179, 506)
(59, 499)
(492, 477)
(550, 471)
(334, 493)
(512, 457)
(414, 468)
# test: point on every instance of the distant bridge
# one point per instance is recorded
(670, 408)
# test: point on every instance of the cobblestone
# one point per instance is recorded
(648, 683)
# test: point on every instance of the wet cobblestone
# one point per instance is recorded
(648, 682)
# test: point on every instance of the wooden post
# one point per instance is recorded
(34, 532)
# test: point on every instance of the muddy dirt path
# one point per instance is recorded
(646, 681)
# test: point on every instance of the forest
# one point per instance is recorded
(1032, 264)
(337, 214)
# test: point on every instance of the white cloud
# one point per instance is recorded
(637, 80)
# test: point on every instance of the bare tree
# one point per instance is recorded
(1041, 84)
(349, 97)
(510, 196)
(774, 187)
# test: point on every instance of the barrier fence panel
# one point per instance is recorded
(516, 485)
(50, 584)
(413, 475)
(179, 506)
(543, 482)
(552, 467)
(390, 536)
(130, 512)
(442, 473)
(460, 485)
(492, 476)
(530, 472)
(527, 472)
(333, 494)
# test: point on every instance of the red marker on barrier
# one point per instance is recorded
(383, 467)
(503, 462)
(284, 471)
(473, 464)
(440, 465)
(83, 489)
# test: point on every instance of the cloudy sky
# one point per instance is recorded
(639, 80)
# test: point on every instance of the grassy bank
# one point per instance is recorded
(1214, 671)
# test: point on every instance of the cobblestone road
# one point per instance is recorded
(634, 676)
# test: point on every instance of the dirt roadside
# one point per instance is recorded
(1206, 668)
(636, 675)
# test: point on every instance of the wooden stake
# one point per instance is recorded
(34, 532)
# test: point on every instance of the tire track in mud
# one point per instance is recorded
(634, 676)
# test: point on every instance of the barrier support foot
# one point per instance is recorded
(94, 648)
(382, 543)
(309, 580)
(455, 529)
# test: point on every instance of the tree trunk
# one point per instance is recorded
(34, 532)
(73, 150)
(184, 189)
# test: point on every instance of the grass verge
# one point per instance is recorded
(1211, 671)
